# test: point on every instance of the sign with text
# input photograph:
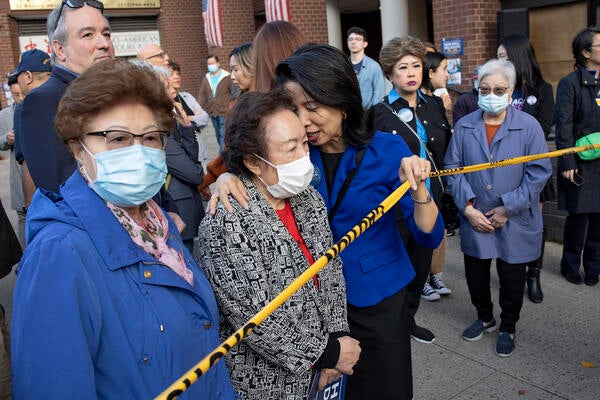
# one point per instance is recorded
(452, 47)
(21, 5)
(126, 44)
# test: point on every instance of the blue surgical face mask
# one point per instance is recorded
(212, 68)
(493, 104)
(129, 176)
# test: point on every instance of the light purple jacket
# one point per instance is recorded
(517, 187)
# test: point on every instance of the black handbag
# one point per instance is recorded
(10, 248)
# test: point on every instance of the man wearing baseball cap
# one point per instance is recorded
(33, 70)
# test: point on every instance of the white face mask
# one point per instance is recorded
(294, 177)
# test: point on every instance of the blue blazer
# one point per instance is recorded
(49, 161)
(376, 265)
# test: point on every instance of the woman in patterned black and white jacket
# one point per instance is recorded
(251, 254)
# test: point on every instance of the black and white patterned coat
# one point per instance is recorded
(250, 257)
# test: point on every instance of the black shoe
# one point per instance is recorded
(591, 280)
(534, 288)
(572, 277)
(421, 334)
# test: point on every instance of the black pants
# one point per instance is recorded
(420, 258)
(581, 238)
(384, 370)
(512, 286)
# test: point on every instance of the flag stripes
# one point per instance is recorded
(277, 10)
(211, 14)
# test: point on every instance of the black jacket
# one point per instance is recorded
(466, 104)
(186, 173)
(577, 115)
(539, 103)
(431, 113)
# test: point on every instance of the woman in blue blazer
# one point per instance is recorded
(354, 172)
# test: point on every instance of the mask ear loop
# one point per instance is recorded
(82, 167)
(267, 162)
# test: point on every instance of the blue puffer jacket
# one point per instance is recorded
(95, 316)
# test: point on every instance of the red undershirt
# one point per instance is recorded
(490, 132)
(289, 221)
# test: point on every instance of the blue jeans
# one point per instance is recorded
(219, 125)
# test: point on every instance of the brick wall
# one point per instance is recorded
(475, 22)
(182, 36)
(310, 16)
(9, 48)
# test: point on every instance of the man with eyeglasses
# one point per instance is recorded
(368, 71)
(79, 35)
(153, 54)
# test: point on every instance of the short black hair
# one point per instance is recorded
(174, 66)
(357, 31)
(583, 41)
(326, 75)
(216, 57)
(244, 130)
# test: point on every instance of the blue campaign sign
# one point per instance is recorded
(452, 47)
(336, 390)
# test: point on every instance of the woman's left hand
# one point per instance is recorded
(327, 376)
(497, 216)
(414, 169)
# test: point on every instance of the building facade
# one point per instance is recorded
(466, 30)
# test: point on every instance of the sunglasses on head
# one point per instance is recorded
(78, 4)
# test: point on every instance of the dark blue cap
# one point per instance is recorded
(12, 77)
(35, 61)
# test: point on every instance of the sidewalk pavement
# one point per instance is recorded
(553, 338)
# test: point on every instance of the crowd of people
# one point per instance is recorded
(109, 176)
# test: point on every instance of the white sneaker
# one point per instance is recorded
(429, 294)
(436, 282)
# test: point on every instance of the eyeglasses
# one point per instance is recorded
(498, 91)
(595, 45)
(162, 54)
(355, 39)
(117, 139)
(78, 4)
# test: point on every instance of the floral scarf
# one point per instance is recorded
(151, 236)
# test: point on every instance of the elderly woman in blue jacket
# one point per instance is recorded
(108, 301)
(500, 214)
(354, 172)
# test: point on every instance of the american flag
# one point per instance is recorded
(211, 14)
(277, 10)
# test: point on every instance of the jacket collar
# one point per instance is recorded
(63, 74)
(477, 125)
(112, 242)
(394, 96)
(586, 78)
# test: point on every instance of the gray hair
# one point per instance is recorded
(500, 67)
(161, 72)
(57, 30)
